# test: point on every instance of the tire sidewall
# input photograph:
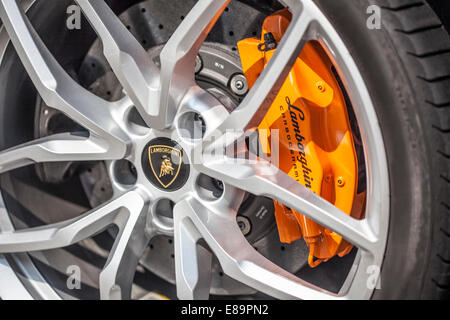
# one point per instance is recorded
(400, 120)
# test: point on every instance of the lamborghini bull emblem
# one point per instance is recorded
(165, 162)
(166, 167)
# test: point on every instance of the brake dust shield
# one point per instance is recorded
(316, 146)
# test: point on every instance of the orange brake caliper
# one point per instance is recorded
(315, 139)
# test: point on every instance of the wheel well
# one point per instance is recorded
(442, 9)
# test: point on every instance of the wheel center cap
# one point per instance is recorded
(165, 164)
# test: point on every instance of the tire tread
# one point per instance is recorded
(425, 51)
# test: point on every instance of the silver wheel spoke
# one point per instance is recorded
(263, 179)
(179, 54)
(238, 258)
(72, 231)
(132, 65)
(128, 212)
(60, 147)
(204, 225)
(56, 87)
(116, 278)
(192, 262)
(204, 104)
(258, 101)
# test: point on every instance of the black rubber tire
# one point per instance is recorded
(406, 66)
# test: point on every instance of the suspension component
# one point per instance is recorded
(316, 146)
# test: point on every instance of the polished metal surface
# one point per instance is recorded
(165, 98)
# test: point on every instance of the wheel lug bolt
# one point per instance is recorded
(219, 188)
(340, 181)
(132, 169)
(199, 118)
(238, 84)
(219, 184)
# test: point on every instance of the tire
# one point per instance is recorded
(406, 67)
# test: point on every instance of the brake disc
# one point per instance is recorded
(219, 71)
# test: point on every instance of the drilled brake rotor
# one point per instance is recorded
(218, 70)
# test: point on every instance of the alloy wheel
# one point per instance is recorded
(170, 103)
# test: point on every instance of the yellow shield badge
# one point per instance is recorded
(165, 162)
